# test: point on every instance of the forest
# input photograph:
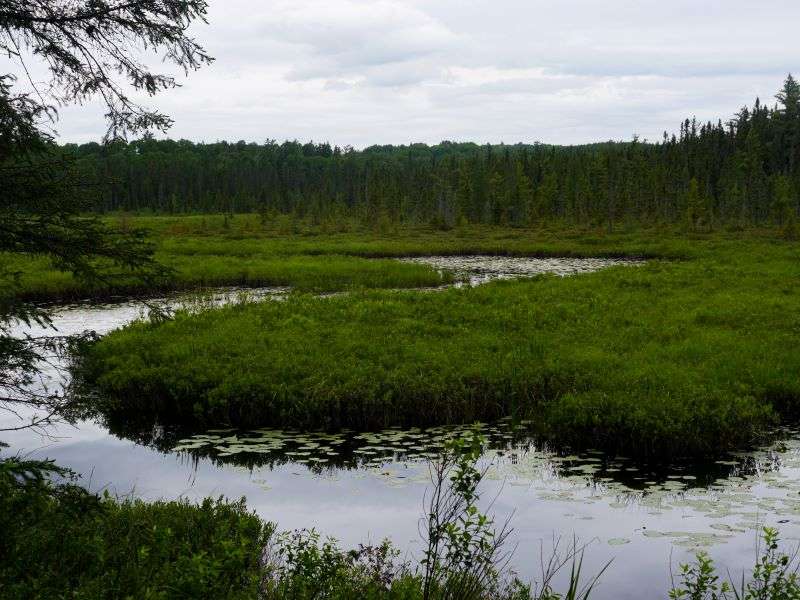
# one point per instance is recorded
(741, 172)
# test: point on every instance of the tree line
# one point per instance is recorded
(745, 171)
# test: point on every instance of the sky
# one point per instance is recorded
(355, 72)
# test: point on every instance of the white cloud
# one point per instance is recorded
(364, 39)
(394, 71)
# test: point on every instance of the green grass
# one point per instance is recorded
(319, 274)
(204, 252)
(678, 357)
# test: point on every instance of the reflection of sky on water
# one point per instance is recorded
(369, 504)
(638, 518)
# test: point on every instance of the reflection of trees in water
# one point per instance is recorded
(353, 450)
(513, 446)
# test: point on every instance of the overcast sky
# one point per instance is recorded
(398, 71)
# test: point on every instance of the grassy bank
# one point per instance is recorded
(681, 357)
(304, 273)
(214, 250)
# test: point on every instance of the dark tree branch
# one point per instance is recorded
(89, 48)
(87, 43)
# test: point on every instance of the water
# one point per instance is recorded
(364, 487)
(481, 269)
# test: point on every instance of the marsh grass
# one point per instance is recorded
(39, 281)
(673, 358)
(214, 250)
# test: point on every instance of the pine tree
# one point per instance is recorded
(789, 97)
(45, 209)
(789, 123)
(784, 206)
(697, 212)
(496, 200)
(754, 175)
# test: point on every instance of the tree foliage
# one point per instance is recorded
(90, 49)
(722, 173)
(89, 45)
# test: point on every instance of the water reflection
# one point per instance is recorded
(731, 496)
(641, 516)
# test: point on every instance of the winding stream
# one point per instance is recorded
(361, 487)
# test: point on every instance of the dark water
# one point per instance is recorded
(363, 487)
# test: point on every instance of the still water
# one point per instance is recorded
(362, 487)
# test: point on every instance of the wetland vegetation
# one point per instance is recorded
(679, 356)
(657, 340)
(214, 250)
(59, 537)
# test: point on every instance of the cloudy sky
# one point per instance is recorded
(361, 72)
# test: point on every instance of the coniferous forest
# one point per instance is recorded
(742, 171)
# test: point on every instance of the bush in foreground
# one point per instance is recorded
(59, 541)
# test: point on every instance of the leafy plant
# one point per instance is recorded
(302, 565)
(774, 577)
(464, 554)
(59, 540)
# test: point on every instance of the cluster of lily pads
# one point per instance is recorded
(734, 495)
(347, 448)
(760, 487)
(478, 269)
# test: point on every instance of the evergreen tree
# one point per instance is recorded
(789, 124)
(734, 164)
(697, 212)
(45, 192)
(785, 206)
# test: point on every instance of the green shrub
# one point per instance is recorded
(774, 577)
(60, 541)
